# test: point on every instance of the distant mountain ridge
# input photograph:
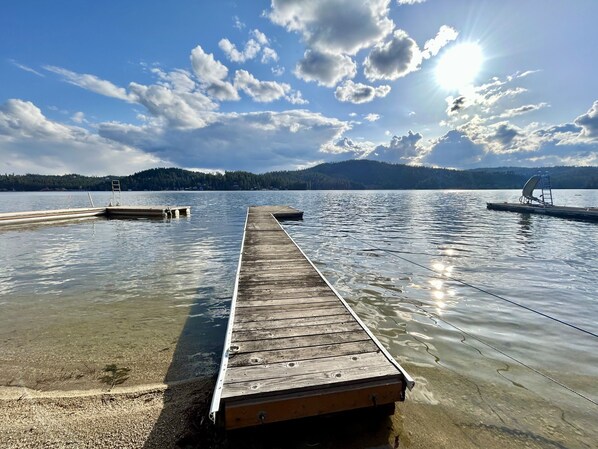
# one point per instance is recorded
(353, 174)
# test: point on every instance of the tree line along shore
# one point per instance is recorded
(347, 175)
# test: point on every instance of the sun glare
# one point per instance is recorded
(459, 66)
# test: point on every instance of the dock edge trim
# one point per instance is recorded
(215, 405)
(408, 379)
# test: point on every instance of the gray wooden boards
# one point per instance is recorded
(294, 348)
(15, 218)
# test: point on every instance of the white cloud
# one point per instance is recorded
(178, 109)
(589, 121)
(445, 35)
(372, 117)
(359, 93)
(508, 113)
(25, 68)
(483, 99)
(78, 117)
(400, 150)
(410, 2)
(478, 143)
(455, 150)
(178, 80)
(334, 26)
(277, 71)
(251, 50)
(346, 148)
(212, 74)
(258, 141)
(260, 91)
(268, 55)
(90, 82)
(295, 97)
(260, 37)
(206, 68)
(31, 143)
(237, 23)
(393, 59)
(325, 68)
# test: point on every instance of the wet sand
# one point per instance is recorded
(444, 411)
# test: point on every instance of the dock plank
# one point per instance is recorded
(303, 341)
(257, 334)
(291, 355)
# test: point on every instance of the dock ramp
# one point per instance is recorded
(294, 348)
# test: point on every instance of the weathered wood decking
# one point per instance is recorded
(294, 348)
(40, 216)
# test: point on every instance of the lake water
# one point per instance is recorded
(153, 296)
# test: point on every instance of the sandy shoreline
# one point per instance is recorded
(438, 414)
(151, 416)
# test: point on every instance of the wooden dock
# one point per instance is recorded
(577, 213)
(16, 218)
(294, 348)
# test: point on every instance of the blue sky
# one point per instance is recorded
(118, 87)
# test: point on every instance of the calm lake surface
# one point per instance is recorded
(154, 296)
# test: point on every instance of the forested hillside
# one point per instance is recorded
(355, 174)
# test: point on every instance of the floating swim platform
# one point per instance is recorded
(294, 348)
(578, 213)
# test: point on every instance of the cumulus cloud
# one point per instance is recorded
(400, 150)
(372, 117)
(277, 71)
(260, 37)
(409, 2)
(212, 74)
(178, 80)
(31, 143)
(589, 121)
(206, 68)
(445, 35)
(178, 109)
(78, 117)
(90, 82)
(257, 141)
(260, 91)
(252, 48)
(393, 59)
(334, 26)
(268, 55)
(325, 68)
(505, 134)
(479, 142)
(346, 148)
(296, 97)
(359, 93)
(456, 150)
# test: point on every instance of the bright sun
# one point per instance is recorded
(459, 66)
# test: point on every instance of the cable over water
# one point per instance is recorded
(393, 253)
(482, 341)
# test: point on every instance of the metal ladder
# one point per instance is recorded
(115, 193)
(546, 190)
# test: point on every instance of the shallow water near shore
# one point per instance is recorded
(153, 296)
